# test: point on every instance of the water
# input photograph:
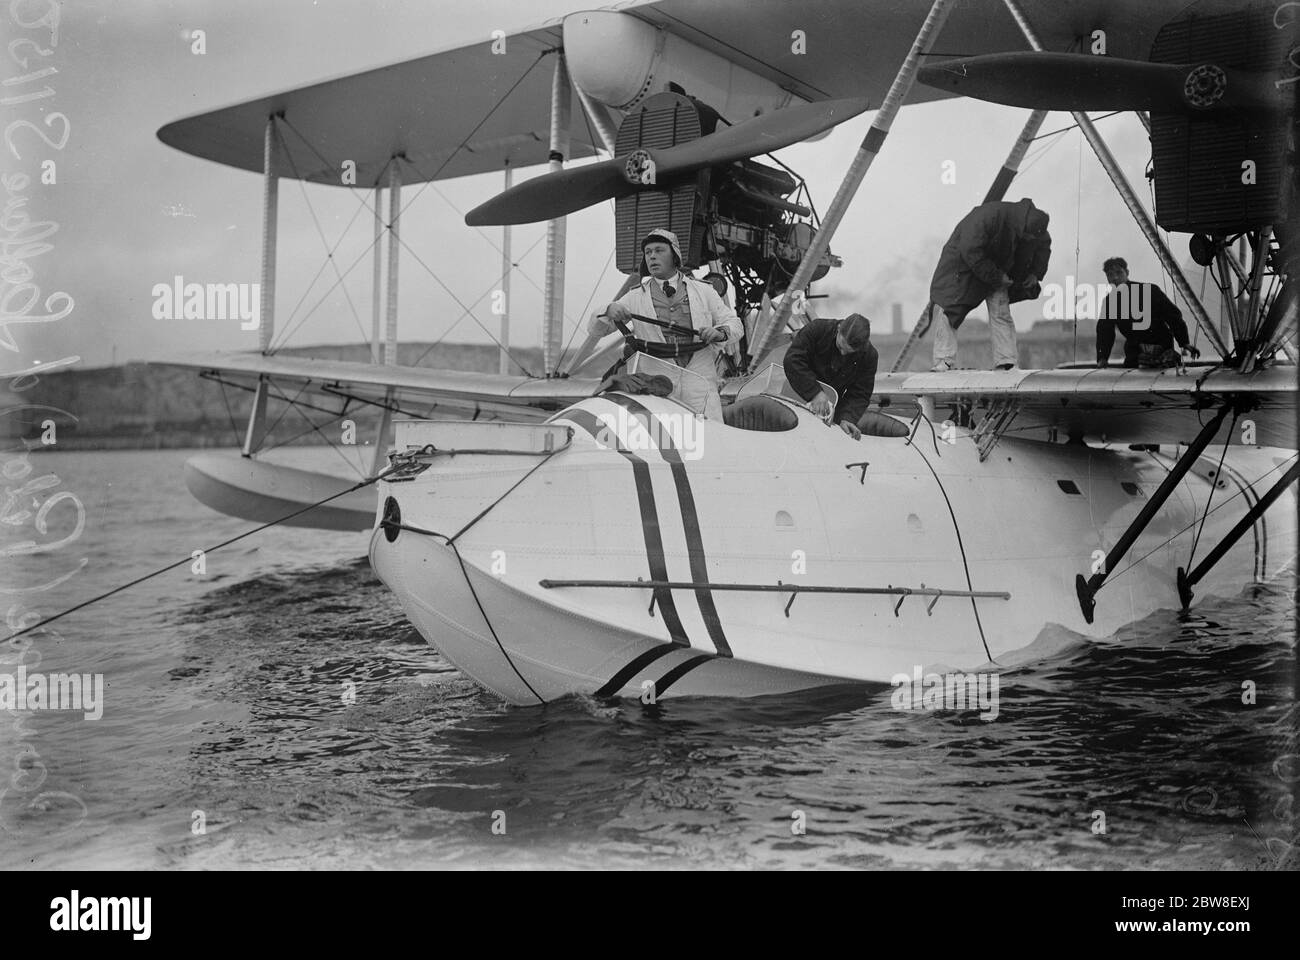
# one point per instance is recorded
(282, 703)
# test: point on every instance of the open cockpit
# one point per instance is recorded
(765, 402)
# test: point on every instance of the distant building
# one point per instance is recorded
(1047, 344)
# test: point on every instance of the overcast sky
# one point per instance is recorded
(132, 212)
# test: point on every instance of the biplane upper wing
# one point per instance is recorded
(456, 112)
(1115, 405)
(414, 391)
(469, 110)
(853, 48)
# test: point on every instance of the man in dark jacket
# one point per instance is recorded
(838, 353)
(997, 254)
(1148, 319)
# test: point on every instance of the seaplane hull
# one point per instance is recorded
(526, 650)
(780, 561)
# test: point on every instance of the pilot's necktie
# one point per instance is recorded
(669, 292)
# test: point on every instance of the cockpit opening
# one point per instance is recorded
(760, 413)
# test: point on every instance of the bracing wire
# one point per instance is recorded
(1111, 577)
(189, 558)
(446, 333)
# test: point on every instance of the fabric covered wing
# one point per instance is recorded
(1115, 405)
(429, 109)
(416, 390)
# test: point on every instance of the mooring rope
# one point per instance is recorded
(190, 558)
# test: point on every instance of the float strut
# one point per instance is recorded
(1188, 580)
(1087, 588)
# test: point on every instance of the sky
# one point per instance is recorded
(132, 212)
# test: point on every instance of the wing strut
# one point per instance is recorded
(597, 113)
(385, 422)
(255, 432)
(556, 230)
(376, 274)
(270, 216)
(1188, 580)
(867, 151)
(1087, 589)
(394, 251)
(1130, 199)
(506, 267)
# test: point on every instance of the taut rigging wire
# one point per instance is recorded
(190, 559)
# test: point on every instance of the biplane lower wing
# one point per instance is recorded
(417, 391)
(253, 489)
(1115, 404)
(1112, 404)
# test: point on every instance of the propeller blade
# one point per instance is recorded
(1080, 81)
(771, 131)
(553, 195)
(556, 194)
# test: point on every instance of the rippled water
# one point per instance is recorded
(283, 701)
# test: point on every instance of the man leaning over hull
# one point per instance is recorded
(672, 296)
(997, 254)
(840, 354)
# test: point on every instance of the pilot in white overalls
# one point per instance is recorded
(671, 296)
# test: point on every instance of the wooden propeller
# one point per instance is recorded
(1080, 81)
(556, 194)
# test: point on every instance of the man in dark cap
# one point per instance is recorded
(839, 353)
(1148, 319)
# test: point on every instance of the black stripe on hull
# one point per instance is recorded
(690, 522)
(677, 672)
(654, 543)
(620, 679)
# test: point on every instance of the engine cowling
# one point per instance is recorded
(620, 60)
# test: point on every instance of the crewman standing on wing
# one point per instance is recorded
(1146, 317)
(997, 254)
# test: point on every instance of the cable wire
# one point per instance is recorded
(960, 546)
(1110, 578)
(190, 558)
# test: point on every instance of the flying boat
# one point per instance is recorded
(595, 532)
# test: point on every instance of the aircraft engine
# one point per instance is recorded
(1223, 173)
(753, 219)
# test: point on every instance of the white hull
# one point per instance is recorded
(758, 508)
(556, 652)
